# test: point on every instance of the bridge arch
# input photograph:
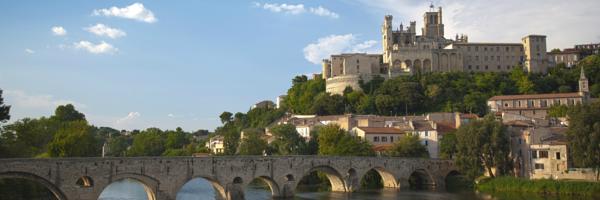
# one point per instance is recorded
(150, 184)
(37, 179)
(335, 178)
(85, 181)
(388, 178)
(421, 179)
(218, 187)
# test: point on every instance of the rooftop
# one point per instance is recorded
(535, 96)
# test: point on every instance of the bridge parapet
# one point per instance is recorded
(163, 177)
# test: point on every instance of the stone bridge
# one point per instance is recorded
(162, 177)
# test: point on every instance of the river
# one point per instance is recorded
(200, 189)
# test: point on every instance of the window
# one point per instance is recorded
(556, 102)
(468, 48)
(426, 143)
(476, 48)
(477, 67)
(486, 67)
(539, 166)
(529, 103)
(484, 48)
(498, 66)
(383, 139)
(557, 155)
(357, 67)
(544, 103)
(519, 140)
(357, 61)
(543, 154)
(476, 58)
(470, 66)
(506, 48)
(534, 154)
(505, 104)
(376, 139)
(391, 138)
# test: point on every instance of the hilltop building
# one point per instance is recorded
(537, 105)
(571, 56)
(405, 53)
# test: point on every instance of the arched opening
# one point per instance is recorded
(85, 181)
(408, 65)
(127, 188)
(289, 177)
(426, 65)
(18, 185)
(397, 66)
(201, 187)
(455, 181)
(262, 187)
(321, 178)
(421, 180)
(378, 178)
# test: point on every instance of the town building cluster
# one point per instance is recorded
(538, 142)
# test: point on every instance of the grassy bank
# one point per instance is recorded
(548, 187)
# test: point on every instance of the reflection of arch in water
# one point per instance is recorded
(218, 189)
(421, 179)
(388, 179)
(37, 179)
(334, 177)
(150, 184)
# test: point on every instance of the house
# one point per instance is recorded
(216, 144)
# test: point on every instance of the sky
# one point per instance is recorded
(140, 64)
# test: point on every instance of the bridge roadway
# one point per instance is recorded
(162, 177)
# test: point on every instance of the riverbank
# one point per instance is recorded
(545, 186)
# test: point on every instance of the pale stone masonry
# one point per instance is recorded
(405, 52)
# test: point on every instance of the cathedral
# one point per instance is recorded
(406, 53)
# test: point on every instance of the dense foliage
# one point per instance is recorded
(483, 146)
(584, 135)
(434, 92)
(409, 146)
(335, 141)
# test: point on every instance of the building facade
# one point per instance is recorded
(405, 52)
(537, 105)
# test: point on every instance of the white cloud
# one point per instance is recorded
(135, 11)
(58, 31)
(103, 30)
(171, 115)
(29, 51)
(100, 48)
(296, 9)
(320, 11)
(129, 118)
(22, 100)
(335, 44)
(564, 22)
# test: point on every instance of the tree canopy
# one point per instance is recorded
(482, 146)
(584, 135)
(4, 109)
(409, 146)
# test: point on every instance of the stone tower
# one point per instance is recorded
(433, 26)
(388, 36)
(584, 90)
(534, 49)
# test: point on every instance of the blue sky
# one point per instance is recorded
(163, 64)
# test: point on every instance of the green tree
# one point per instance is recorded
(335, 141)
(147, 143)
(67, 113)
(28, 137)
(4, 110)
(558, 111)
(409, 146)
(483, 145)
(584, 135)
(252, 143)
(448, 146)
(225, 117)
(524, 84)
(118, 146)
(176, 139)
(74, 139)
(287, 140)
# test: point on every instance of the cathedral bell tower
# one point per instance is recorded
(387, 37)
(433, 26)
(584, 90)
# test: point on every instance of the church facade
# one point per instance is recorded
(406, 53)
